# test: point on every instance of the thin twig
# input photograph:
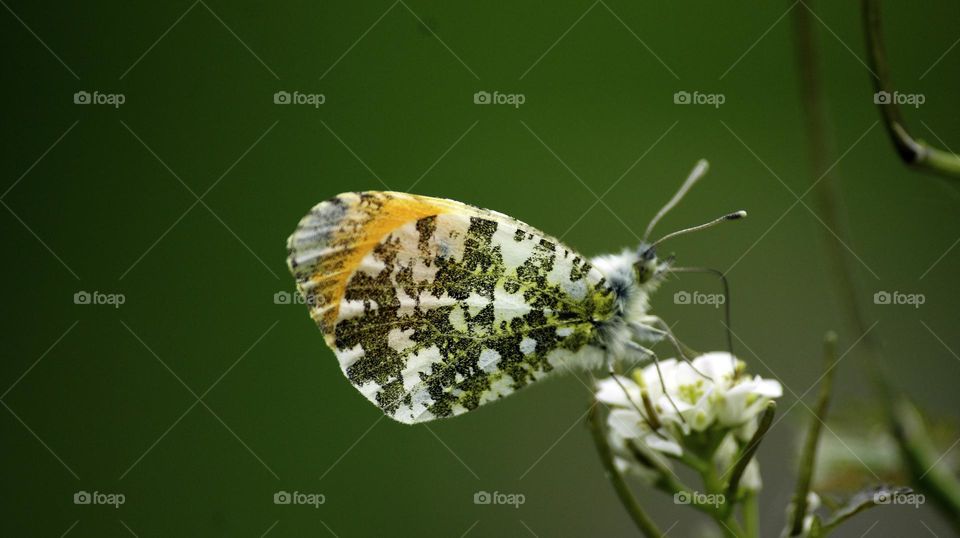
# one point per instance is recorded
(913, 152)
(808, 457)
(629, 502)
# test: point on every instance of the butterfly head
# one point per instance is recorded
(649, 268)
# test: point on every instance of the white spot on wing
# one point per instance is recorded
(417, 363)
(400, 340)
(507, 306)
(488, 360)
(476, 303)
(457, 319)
(514, 252)
(528, 345)
(352, 309)
(371, 266)
(498, 388)
(349, 356)
(450, 233)
(369, 390)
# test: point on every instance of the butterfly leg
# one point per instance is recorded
(646, 327)
(656, 361)
(648, 414)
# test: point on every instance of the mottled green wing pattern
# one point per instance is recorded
(452, 310)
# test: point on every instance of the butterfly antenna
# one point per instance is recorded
(736, 215)
(698, 172)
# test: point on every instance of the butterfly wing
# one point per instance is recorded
(434, 307)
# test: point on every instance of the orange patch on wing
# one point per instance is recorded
(395, 211)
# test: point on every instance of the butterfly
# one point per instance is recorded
(434, 307)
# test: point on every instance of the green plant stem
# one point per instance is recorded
(643, 521)
(808, 457)
(724, 517)
(913, 152)
(746, 454)
(922, 461)
(917, 448)
(751, 516)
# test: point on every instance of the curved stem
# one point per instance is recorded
(766, 420)
(808, 457)
(913, 152)
(914, 443)
(643, 521)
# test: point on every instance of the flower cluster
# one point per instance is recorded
(706, 409)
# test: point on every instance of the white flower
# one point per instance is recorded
(712, 393)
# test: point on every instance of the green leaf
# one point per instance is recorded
(861, 501)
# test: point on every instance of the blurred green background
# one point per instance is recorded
(104, 199)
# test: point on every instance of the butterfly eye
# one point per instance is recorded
(646, 267)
